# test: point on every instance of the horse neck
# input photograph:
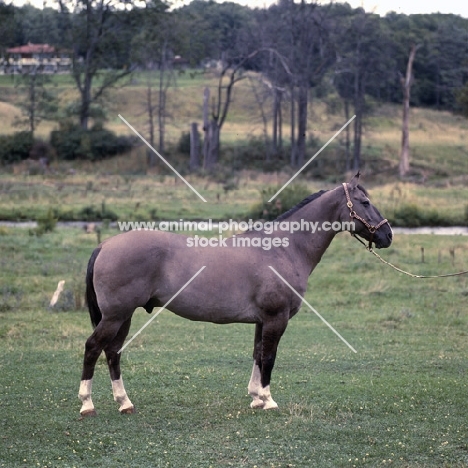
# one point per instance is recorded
(312, 245)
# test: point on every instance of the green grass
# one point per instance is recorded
(129, 197)
(400, 401)
(79, 194)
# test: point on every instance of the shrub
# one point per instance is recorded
(40, 150)
(410, 215)
(15, 147)
(183, 146)
(72, 142)
(286, 200)
(45, 224)
(91, 213)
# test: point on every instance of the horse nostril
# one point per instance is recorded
(390, 235)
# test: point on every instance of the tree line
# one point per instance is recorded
(298, 50)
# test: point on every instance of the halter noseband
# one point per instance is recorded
(353, 214)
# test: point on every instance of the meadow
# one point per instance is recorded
(438, 139)
(125, 187)
(400, 401)
(80, 195)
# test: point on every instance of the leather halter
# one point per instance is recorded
(354, 215)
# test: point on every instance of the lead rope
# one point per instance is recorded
(407, 272)
(372, 230)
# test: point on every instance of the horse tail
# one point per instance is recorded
(93, 306)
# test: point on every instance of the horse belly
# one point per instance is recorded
(214, 313)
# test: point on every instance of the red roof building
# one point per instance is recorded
(41, 58)
(29, 50)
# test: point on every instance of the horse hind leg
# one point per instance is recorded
(113, 361)
(103, 334)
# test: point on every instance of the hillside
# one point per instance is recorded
(439, 140)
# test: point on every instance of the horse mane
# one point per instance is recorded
(366, 193)
(304, 202)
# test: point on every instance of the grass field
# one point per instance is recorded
(81, 195)
(400, 401)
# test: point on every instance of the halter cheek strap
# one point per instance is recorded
(353, 214)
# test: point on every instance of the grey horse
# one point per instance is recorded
(146, 269)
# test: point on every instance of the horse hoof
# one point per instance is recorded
(88, 413)
(270, 405)
(256, 404)
(130, 410)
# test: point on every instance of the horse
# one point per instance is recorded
(145, 269)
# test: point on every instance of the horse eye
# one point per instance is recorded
(366, 203)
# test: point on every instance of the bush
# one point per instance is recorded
(253, 154)
(91, 213)
(183, 146)
(286, 200)
(40, 150)
(72, 142)
(16, 147)
(410, 215)
(45, 224)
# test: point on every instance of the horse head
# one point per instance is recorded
(368, 222)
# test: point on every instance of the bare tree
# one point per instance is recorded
(95, 35)
(156, 106)
(154, 52)
(360, 45)
(194, 162)
(232, 72)
(38, 103)
(307, 48)
(261, 89)
(406, 82)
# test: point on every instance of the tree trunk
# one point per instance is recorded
(359, 97)
(211, 157)
(88, 73)
(347, 137)
(280, 123)
(149, 106)
(162, 100)
(357, 140)
(206, 125)
(85, 100)
(260, 99)
(275, 122)
(302, 124)
(293, 128)
(32, 102)
(406, 83)
(150, 154)
(162, 120)
(194, 163)
(84, 112)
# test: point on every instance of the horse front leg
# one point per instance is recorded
(271, 335)
(255, 386)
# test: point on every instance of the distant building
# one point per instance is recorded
(180, 63)
(43, 58)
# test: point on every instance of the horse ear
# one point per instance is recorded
(354, 181)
